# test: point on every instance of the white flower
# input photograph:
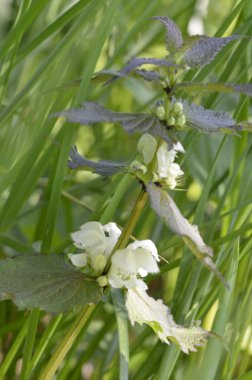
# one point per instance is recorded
(138, 259)
(147, 147)
(178, 147)
(97, 241)
(167, 170)
(144, 309)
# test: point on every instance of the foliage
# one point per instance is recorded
(43, 202)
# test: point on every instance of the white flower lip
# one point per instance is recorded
(167, 169)
(92, 238)
(146, 244)
(78, 259)
(135, 260)
(138, 259)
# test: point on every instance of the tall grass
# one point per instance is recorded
(45, 45)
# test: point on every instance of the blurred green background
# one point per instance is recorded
(46, 47)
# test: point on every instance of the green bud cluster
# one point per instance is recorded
(173, 115)
(177, 117)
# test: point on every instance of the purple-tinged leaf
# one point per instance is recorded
(106, 75)
(174, 39)
(243, 88)
(166, 208)
(205, 120)
(205, 49)
(48, 282)
(92, 113)
(138, 62)
(103, 168)
(149, 76)
(195, 87)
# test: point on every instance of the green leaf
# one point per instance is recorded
(46, 281)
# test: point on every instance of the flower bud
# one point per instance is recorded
(146, 147)
(160, 112)
(177, 108)
(99, 263)
(164, 84)
(102, 281)
(171, 121)
(180, 122)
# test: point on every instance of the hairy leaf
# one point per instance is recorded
(205, 49)
(106, 75)
(205, 120)
(144, 309)
(195, 87)
(166, 208)
(92, 113)
(174, 39)
(149, 76)
(138, 62)
(104, 168)
(48, 282)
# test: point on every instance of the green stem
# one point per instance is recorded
(133, 218)
(66, 343)
(130, 225)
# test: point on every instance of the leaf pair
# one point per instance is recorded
(195, 51)
(197, 118)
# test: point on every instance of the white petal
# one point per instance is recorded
(78, 259)
(145, 309)
(142, 272)
(134, 282)
(145, 244)
(174, 171)
(114, 232)
(146, 262)
(115, 281)
(178, 147)
(91, 237)
(126, 260)
(131, 260)
(164, 159)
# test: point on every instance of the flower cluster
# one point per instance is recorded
(127, 269)
(127, 265)
(157, 161)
